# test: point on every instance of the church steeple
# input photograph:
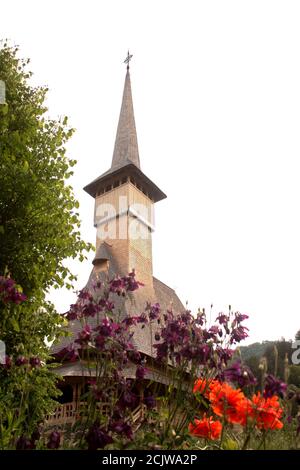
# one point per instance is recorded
(126, 146)
(126, 160)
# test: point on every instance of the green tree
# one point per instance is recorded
(39, 229)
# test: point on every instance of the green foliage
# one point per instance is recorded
(254, 349)
(276, 363)
(26, 397)
(38, 212)
(39, 229)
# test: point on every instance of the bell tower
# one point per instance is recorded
(124, 202)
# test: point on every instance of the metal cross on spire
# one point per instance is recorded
(128, 59)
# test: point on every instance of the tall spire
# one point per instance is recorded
(126, 161)
(126, 146)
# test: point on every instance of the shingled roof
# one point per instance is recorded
(135, 304)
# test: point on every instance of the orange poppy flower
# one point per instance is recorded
(204, 386)
(266, 412)
(206, 428)
(230, 403)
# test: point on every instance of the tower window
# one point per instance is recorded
(101, 265)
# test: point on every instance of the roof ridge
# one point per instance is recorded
(173, 290)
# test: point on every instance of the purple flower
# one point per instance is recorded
(128, 400)
(117, 286)
(68, 354)
(107, 328)
(9, 291)
(85, 295)
(100, 341)
(35, 362)
(21, 361)
(90, 310)
(186, 317)
(238, 334)
(121, 285)
(202, 353)
(150, 401)
(142, 318)
(122, 427)
(84, 336)
(54, 440)
(239, 317)
(140, 372)
(97, 437)
(130, 283)
(17, 297)
(133, 355)
(24, 443)
(8, 363)
(154, 311)
(127, 430)
(6, 283)
(240, 374)
(72, 314)
(201, 318)
(214, 331)
(161, 350)
(222, 318)
(129, 321)
(274, 386)
(97, 393)
(224, 354)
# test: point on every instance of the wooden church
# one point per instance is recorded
(123, 217)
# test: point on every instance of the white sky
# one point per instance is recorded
(216, 89)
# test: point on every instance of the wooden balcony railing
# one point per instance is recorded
(68, 413)
(63, 414)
